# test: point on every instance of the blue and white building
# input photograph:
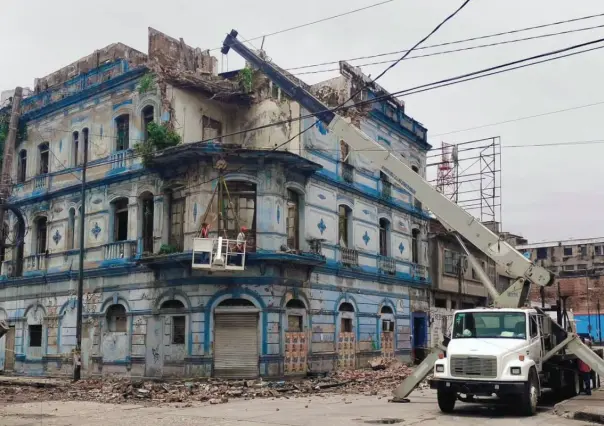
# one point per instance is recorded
(336, 264)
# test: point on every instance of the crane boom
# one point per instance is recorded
(453, 217)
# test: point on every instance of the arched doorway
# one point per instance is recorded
(346, 337)
(236, 346)
(296, 341)
(387, 336)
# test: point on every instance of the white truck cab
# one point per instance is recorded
(491, 352)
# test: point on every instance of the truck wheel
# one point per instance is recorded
(574, 384)
(446, 401)
(528, 402)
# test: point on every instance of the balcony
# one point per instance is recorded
(35, 264)
(119, 250)
(350, 257)
(387, 265)
(347, 172)
(386, 193)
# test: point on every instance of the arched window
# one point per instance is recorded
(44, 158)
(116, 318)
(386, 310)
(346, 307)
(236, 303)
(415, 246)
(147, 118)
(146, 207)
(122, 127)
(41, 231)
(22, 166)
(86, 152)
(346, 321)
(120, 219)
(75, 147)
(384, 237)
(293, 220)
(71, 229)
(179, 324)
(295, 317)
(344, 225)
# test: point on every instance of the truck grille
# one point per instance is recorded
(473, 366)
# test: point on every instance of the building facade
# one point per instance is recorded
(335, 270)
(579, 268)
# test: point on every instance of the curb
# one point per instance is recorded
(588, 417)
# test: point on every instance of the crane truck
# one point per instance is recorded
(508, 351)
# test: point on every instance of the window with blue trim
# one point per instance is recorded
(122, 125)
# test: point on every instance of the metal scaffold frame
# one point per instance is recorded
(469, 174)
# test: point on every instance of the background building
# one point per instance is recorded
(579, 268)
(336, 264)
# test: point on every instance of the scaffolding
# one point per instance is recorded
(469, 173)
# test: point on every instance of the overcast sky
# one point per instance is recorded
(549, 193)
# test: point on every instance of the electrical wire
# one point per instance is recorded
(417, 89)
(452, 42)
(513, 120)
(463, 49)
(312, 22)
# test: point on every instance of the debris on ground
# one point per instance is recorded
(380, 380)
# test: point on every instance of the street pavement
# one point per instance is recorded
(329, 410)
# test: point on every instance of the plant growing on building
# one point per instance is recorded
(245, 78)
(158, 137)
(167, 249)
(146, 83)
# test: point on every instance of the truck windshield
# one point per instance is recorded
(492, 325)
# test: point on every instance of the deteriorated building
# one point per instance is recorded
(334, 269)
(579, 269)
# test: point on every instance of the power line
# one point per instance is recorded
(512, 120)
(463, 49)
(313, 22)
(453, 42)
(414, 90)
(367, 84)
(417, 89)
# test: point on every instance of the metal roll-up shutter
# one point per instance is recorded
(236, 345)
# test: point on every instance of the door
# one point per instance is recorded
(236, 345)
(419, 336)
(9, 349)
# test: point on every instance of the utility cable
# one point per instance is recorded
(452, 42)
(313, 22)
(513, 120)
(417, 89)
(463, 49)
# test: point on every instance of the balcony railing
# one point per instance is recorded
(41, 182)
(386, 190)
(34, 263)
(119, 159)
(347, 172)
(350, 257)
(387, 265)
(120, 250)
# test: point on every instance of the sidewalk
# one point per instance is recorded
(583, 407)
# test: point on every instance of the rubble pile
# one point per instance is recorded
(380, 381)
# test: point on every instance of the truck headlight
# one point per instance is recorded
(515, 371)
(440, 368)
